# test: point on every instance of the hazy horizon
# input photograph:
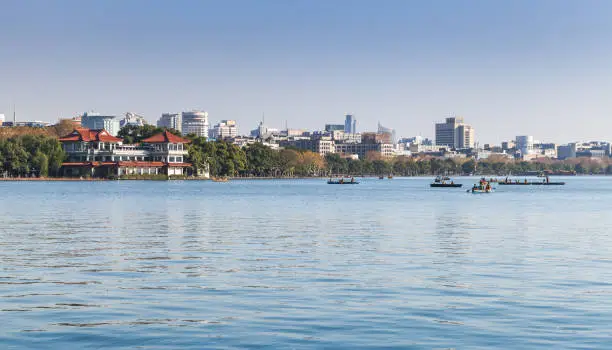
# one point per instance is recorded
(513, 68)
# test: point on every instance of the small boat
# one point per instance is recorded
(441, 182)
(381, 177)
(478, 191)
(445, 185)
(219, 179)
(342, 181)
(390, 177)
(482, 187)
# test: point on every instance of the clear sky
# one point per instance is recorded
(538, 67)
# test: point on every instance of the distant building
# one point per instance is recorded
(350, 124)
(362, 149)
(195, 122)
(334, 127)
(224, 129)
(455, 133)
(321, 146)
(263, 132)
(132, 119)
(95, 121)
(524, 145)
(390, 132)
(171, 121)
(339, 136)
(566, 151)
(33, 124)
(2, 119)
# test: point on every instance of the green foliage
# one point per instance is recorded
(261, 160)
(30, 155)
(224, 159)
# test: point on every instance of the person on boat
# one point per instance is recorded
(352, 179)
(488, 188)
(341, 181)
(452, 182)
(547, 179)
(525, 180)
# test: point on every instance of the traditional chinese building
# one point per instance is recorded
(99, 154)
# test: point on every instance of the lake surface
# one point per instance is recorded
(302, 264)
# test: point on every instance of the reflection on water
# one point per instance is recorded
(299, 264)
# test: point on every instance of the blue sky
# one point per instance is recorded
(540, 67)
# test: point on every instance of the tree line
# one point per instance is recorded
(37, 152)
(30, 156)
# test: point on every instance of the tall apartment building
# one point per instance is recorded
(171, 121)
(224, 129)
(195, 122)
(455, 133)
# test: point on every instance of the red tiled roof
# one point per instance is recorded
(141, 164)
(165, 137)
(88, 135)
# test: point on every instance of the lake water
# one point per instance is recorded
(302, 264)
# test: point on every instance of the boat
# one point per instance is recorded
(342, 181)
(531, 183)
(442, 182)
(445, 185)
(219, 179)
(390, 177)
(482, 187)
(477, 191)
(545, 182)
(381, 177)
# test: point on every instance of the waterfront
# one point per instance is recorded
(301, 264)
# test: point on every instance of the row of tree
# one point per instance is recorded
(30, 155)
(259, 160)
(37, 152)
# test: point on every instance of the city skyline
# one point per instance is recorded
(508, 68)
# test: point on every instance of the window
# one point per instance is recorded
(179, 159)
(171, 160)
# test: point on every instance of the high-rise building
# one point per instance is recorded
(350, 124)
(171, 121)
(2, 119)
(224, 129)
(455, 133)
(524, 144)
(96, 121)
(195, 122)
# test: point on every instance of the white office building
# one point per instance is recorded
(195, 122)
(224, 129)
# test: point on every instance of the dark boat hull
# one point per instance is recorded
(342, 183)
(532, 183)
(445, 185)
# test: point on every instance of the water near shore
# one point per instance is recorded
(303, 264)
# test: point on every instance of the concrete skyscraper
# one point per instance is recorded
(350, 124)
(455, 133)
